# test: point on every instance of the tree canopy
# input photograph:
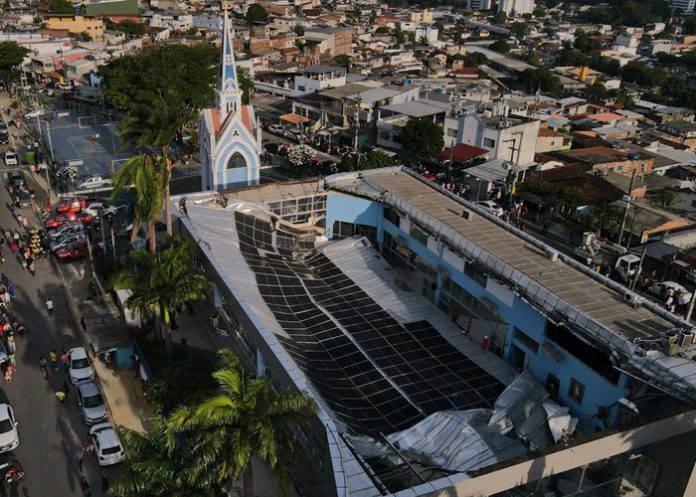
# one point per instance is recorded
(422, 137)
(500, 46)
(373, 159)
(256, 14)
(160, 90)
(519, 30)
(246, 418)
(605, 218)
(531, 80)
(11, 55)
(60, 7)
(246, 84)
(128, 27)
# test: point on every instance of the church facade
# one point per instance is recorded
(228, 134)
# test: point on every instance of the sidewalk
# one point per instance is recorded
(122, 390)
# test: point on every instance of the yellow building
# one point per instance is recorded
(425, 16)
(93, 26)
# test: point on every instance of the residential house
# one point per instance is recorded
(93, 26)
(549, 140)
(338, 41)
(175, 20)
(604, 159)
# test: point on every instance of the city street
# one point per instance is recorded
(48, 432)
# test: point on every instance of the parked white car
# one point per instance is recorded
(10, 158)
(9, 437)
(94, 182)
(107, 444)
(79, 367)
(490, 207)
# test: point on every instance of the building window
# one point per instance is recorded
(489, 142)
(236, 160)
(452, 132)
(576, 390)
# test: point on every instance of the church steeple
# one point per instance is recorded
(228, 96)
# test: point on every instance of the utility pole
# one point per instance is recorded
(356, 135)
(628, 206)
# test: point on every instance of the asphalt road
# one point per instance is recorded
(48, 432)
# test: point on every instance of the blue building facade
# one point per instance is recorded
(577, 374)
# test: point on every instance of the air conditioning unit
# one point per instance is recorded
(551, 254)
(466, 214)
(633, 299)
(686, 338)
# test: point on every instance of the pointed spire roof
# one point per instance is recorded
(228, 94)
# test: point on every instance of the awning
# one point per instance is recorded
(294, 118)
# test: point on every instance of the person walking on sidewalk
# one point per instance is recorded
(49, 306)
(53, 357)
(79, 457)
(60, 396)
(84, 485)
(65, 360)
(105, 479)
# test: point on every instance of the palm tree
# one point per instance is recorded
(163, 283)
(246, 418)
(157, 466)
(145, 175)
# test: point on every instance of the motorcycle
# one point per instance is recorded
(13, 473)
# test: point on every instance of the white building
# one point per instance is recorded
(320, 78)
(686, 6)
(178, 21)
(428, 33)
(479, 4)
(509, 138)
(516, 7)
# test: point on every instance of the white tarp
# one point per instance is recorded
(456, 440)
(519, 409)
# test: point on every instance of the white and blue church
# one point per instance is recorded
(228, 134)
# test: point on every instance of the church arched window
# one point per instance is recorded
(236, 160)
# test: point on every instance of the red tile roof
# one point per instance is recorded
(463, 153)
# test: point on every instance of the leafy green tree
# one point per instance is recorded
(518, 30)
(84, 36)
(128, 27)
(422, 137)
(192, 31)
(360, 161)
(11, 55)
(246, 418)
(157, 465)
(342, 60)
(500, 18)
(143, 173)
(585, 42)
(400, 36)
(532, 57)
(500, 46)
(160, 91)
(162, 284)
(572, 197)
(256, 14)
(60, 7)
(664, 197)
(299, 30)
(382, 30)
(531, 80)
(539, 12)
(246, 84)
(605, 218)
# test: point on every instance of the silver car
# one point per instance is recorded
(66, 240)
(66, 229)
(91, 402)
